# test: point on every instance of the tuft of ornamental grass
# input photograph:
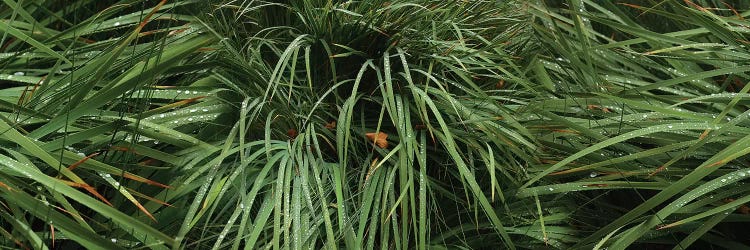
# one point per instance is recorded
(309, 124)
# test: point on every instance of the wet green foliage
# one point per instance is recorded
(407, 124)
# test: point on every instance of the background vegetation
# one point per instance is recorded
(404, 124)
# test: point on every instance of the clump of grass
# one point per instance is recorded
(373, 124)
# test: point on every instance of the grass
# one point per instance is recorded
(309, 124)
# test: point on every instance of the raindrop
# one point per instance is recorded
(593, 174)
(116, 24)
(551, 189)
(19, 74)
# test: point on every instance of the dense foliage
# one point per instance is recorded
(402, 124)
